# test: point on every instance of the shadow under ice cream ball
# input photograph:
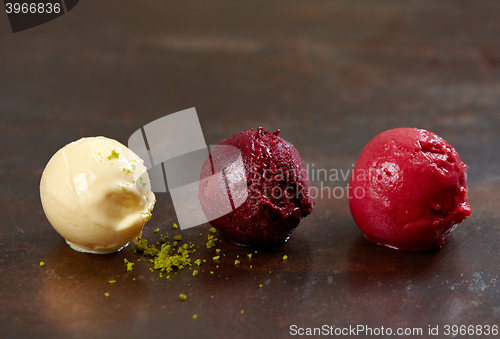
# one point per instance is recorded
(408, 190)
(277, 187)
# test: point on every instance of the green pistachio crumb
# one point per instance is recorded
(156, 231)
(178, 237)
(124, 188)
(195, 316)
(112, 281)
(217, 250)
(182, 297)
(217, 257)
(147, 215)
(249, 255)
(211, 272)
(242, 311)
(197, 262)
(130, 265)
(106, 294)
(167, 258)
(285, 257)
(211, 241)
(195, 273)
(212, 229)
(42, 264)
(174, 226)
(260, 286)
(141, 245)
(114, 154)
(237, 262)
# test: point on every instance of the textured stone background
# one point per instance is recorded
(331, 75)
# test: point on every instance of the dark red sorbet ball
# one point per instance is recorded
(275, 183)
(408, 190)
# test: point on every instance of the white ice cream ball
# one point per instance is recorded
(96, 193)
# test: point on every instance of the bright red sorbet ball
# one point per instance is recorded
(408, 190)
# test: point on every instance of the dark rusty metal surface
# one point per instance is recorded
(331, 75)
